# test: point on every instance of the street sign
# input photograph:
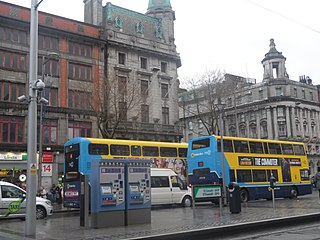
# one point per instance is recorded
(46, 170)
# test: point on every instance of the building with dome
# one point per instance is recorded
(276, 108)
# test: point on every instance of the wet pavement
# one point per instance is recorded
(65, 224)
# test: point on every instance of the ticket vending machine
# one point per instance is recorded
(138, 192)
(108, 193)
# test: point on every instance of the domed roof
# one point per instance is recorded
(273, 53)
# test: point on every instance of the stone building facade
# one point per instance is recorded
(141, 58)
(276, 108)
(115, 45)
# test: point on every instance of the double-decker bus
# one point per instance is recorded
(80, 151)
(250, 163)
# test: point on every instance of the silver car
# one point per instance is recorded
(13, 203)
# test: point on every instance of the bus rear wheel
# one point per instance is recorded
(244, 195)
(294, 192)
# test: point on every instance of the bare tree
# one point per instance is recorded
(205, 91)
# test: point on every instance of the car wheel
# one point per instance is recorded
(41, 212)
(187, 201)
(244, 195)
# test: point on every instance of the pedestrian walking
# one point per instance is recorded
(53, 192)
(317, 181)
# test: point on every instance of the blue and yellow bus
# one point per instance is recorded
(250, 163)
(80, 151)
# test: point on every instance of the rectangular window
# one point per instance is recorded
(165, 115)
(98, 149)
(163, 67)
(48, 43)
(227, 145)
(287, 149)
(244, 176)
(79, 129)
(123, 111)
(279, 91)
(145, 113)
(15, 61)
(256, 147)
(144, 88)
(260, 94)
(183, 152)
(150, 151)
(164, 90)
(241, 146)
(10, 91)
(121, 58)
(13, 35)
(299, 150)
(274, 148)
(168, 152)
(12, 129)
(280, 111)
(50, 131)
(143, 63)
(303, 94)
(159, 181)
(79, 100)
(119, 150)
(259, 175)
(80, 72)
(135, 150)
(50, 68)
(80, 49)
(122, 87)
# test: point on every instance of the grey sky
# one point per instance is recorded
(230, 35)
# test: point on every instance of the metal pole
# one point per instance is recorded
(41, 127)
(30, 229)
(224, 195)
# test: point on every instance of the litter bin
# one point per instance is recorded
(234, 197)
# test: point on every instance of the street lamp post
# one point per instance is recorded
(32, 121)
(220, 106)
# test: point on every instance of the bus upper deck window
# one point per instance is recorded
(168, 152)
(119, 150)
(150, 151)
(274, 148)
(183, 152)
(298, 150)
(135, 151)
(241, 146)
(98, 149)
(227, 145)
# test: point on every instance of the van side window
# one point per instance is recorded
(159, 181)
(176, 182)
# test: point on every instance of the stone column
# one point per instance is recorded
(288, 122)
(275, 123)
(293, 123)
(258, 124)
(269, 123)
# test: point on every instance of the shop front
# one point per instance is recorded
(13, 168)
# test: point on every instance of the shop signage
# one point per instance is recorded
(46, 170)
(47, 157)
(13, 157)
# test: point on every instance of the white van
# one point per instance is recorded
(168, 188)
(13, 202)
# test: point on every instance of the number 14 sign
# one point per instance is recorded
(46, 169)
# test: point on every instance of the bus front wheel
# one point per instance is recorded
(294, 192)
(244, 195)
